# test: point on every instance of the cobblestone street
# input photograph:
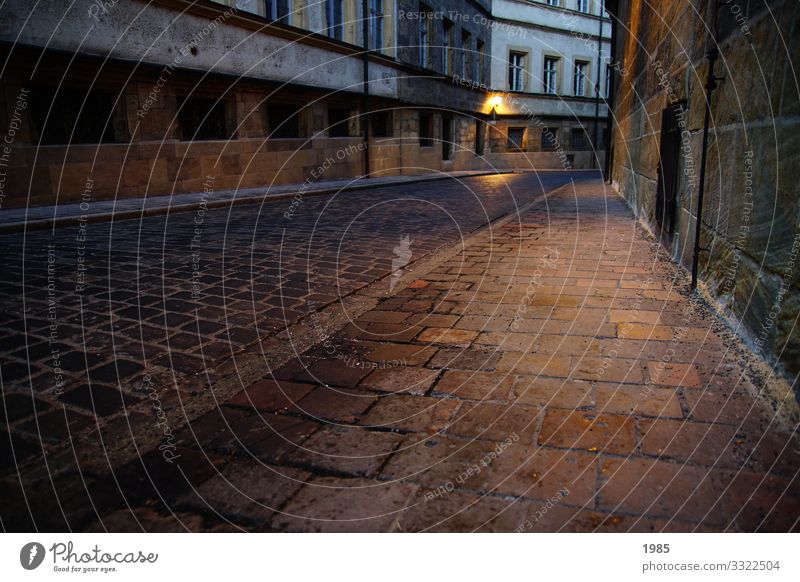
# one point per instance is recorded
(548, 373)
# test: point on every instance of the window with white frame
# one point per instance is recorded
(278, 10)
(479, 48)
(550, 76)
(516, 71)
(424, 36)
(553, 2)
(447, 48)
(583, 6)
(252, 6)
(334, 12)
(579, 79)
(466, 54)
(376, 16)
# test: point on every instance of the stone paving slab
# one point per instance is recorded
(561, 432)
(555, 374)
(115, 334)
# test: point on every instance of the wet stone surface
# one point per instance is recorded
(553, 375)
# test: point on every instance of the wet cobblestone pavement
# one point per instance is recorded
(551, 373)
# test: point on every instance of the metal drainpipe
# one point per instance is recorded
(597, 85)
(712, 55)
(365, 124)
(610, 100)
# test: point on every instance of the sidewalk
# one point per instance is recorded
(555, 375)
(41, 217)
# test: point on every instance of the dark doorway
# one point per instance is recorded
(338, 122)
(202, 118)
(425, 130)
(283, 120)
(447, 137)
(668, 163)
(480, 133)
(75, 116)
(516, 139)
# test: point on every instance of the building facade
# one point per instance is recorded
(153, 98)
(133, 98)
(747, 251)
(550, 70)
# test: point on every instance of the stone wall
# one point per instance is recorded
(201, 55)
(150, 156)
(200, 36)
(751, 212)
(566, 151)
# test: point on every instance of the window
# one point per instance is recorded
(578, 139)
(549, 138)
(550, 76)
(579, 79)
(201, 118)
(447, 137)
(424, 37)
(252, 6)
(71, 120)
(381, 123)
(553, 2)
(278, 10)
(334, 12)
(283, 120)
(481, 61)
(583, 6)
(376, 17)
(338, 122)
(447, 45)
(466, 54)
(516, 138)
(480, 134)
(516, 68)
(425, 129)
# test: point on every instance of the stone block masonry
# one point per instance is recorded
(750, 229)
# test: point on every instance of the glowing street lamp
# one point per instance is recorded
(494, 103)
